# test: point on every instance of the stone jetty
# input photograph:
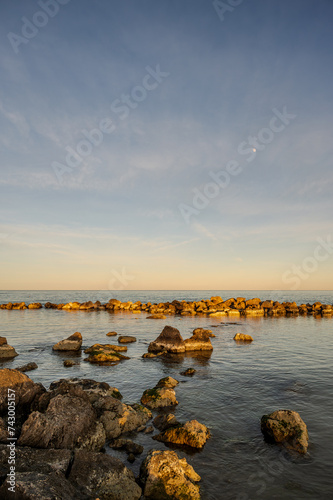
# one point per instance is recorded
(213, 307)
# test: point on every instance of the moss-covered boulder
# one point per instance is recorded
(287, 428)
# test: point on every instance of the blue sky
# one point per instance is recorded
(119, 212)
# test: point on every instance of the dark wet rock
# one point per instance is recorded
(164, 422)
(243, 337)
(149, 430)
(98, 475)
(69, 421)
(91, 389)
(28, 367)
(68, 363)
(200, 341)
(164, 476)
(128, 445)
(126, 339)
(26, 393)
(3, 432)
(111, 334)
(159, 397)
(286, 427)
(169, 340)
(167, 382)
(6, 350)
(189, 372)
(191, 433)
(50, 305)
(72, 343)
(131, 458)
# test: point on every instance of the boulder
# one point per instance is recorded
(97, 475)
(128, 445)
(189, 372)
(35, 305)
(126, 339)
(286, 427)
(242, 337)
(119, 418)
(6, 350)
(159, 397)
(167, 382)
(105, 354)
(200, 341)
(111, 334)
(164, 476)
(72, 343)
(164, 422)
(68, 363)
(28, 367)
(169, 340)
(94, 390)
(69, 421)
(192, 433)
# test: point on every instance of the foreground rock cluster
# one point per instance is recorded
(214, 307)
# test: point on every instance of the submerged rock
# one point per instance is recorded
(189, 372)
(6, 350)
(72, 343)
(169, 340)
(156, 316)
(243, 337)
(28, 367)
(164, 476)
(191, 433)
(105, 353)
(68, 363)
(286, 427)
(128, 445)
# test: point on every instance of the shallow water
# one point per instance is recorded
(289, 365)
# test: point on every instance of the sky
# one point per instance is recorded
(166, 145)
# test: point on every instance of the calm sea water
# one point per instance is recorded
(289, 365)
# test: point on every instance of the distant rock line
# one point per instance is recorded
(213, 307)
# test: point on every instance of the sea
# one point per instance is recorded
(289, 365)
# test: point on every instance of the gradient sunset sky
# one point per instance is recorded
(180, 86)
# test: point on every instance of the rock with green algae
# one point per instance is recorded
(159, 397)
(287, 428)
(164, 475)
(192, 433)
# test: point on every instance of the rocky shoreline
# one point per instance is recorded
(213, 307)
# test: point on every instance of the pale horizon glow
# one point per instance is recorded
(210, 124)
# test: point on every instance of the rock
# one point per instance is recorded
(26, 392)
(27, 368)
(35, 305)
(286, 427)
(156, 316)
(243, 337)
(192, 434)
(72, 343)
(105, 353)
(98, 475)
(169, 340)
(3, 431)
(189, 372)
(126, 339)
(68, 363)
(159, 397)
(149, 430)
(128, 445)
(149, 355)
(95, 391)
(167, 382)
(200, 341)
(164, 476)
(72, 305)
(201, 330)
(119, 418)
(69, 422)
(131, 458)
(6, 350)
(111, 334)
(164, 422)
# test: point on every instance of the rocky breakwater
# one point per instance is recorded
(213, 307)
